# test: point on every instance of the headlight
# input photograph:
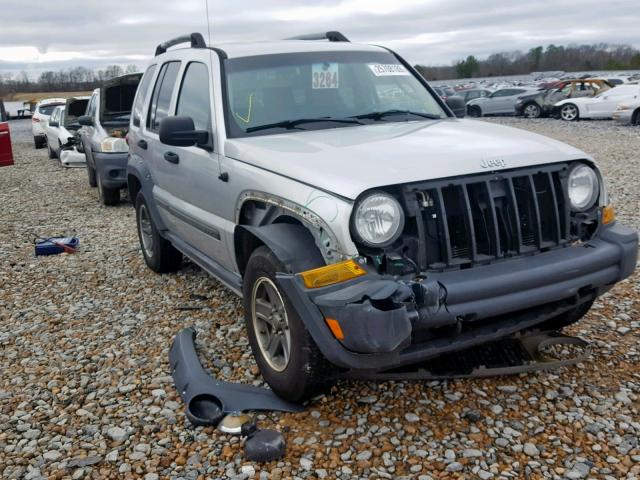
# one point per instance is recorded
(377, 219)
(114, 145)
(583, 188)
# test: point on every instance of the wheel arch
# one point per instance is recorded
(139, 180)
(291, 238)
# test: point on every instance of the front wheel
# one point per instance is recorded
(569, 112)
(532, 110)
(159, 255)
(287, 356)
(50, 151)
(91, 172)
(474, 111)
(108, 196)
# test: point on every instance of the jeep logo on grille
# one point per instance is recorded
(496, 163)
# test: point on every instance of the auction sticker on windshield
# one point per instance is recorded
(324, 75)
(388, 70)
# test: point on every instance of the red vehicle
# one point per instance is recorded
(6, 154)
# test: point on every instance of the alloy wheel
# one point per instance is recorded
(146, 230)
(569, 113)
(531, 111)
(271, 324)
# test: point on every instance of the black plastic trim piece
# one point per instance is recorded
(208, 399)
(195, 39)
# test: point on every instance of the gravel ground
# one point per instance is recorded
(85, 390)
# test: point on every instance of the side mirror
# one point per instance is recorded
(85, 120)
(54, 124)
(181, 132)
(457, 106)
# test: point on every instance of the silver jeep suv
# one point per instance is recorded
(365, 226)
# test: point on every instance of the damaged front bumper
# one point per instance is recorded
(389, 322)
(112, 168)
(72, 158)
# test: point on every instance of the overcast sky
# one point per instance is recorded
(39, 35)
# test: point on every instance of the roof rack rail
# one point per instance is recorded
(332, 36)
(196, 39)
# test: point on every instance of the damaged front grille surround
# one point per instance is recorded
(462, 222)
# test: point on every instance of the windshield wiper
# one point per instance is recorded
(381, 115)
(291, 124)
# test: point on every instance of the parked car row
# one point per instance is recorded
(570, 99)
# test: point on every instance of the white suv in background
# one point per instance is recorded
(44, 109)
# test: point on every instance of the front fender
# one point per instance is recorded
(293, 244)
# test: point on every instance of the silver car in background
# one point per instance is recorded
(500, 102)
(628, 113)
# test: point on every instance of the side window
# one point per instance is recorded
(91, 107)
(194, 100)
(161, 97)
(138, 106)
(501, 93)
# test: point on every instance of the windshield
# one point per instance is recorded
(272, 93)
(48, 109)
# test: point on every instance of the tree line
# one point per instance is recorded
(572, 58)
(75, 79)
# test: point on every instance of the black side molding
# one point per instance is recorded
(196, 39)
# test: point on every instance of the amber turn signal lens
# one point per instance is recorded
(608, 214)
(331, 274)
(335, 328)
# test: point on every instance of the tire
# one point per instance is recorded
(108, 196)
(91, 171)
(304, 372)
(159, 255)
(635, 118)
(50, 151)
(569, 112)
(474, 111)
(531, 110)
(567, 318)
(38, 142)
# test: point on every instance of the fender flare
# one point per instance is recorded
(293, 244)
(138, 169)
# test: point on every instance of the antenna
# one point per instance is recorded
(206, 6)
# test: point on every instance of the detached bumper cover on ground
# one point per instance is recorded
(389, 323)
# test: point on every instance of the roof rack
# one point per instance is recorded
(196, 39)
(332, 36)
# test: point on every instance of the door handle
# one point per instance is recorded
(171, 157)
(142, 144)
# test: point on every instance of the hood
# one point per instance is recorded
(75, 108)
(349, 160)
(116, 97)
